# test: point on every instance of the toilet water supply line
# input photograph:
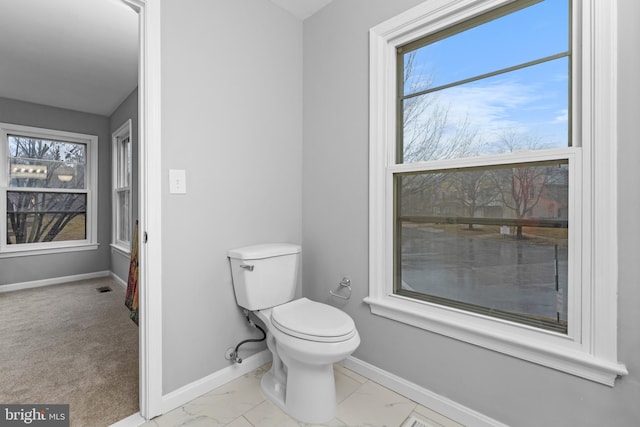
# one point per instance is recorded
(232, 354)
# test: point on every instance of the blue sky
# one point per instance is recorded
(532, 101)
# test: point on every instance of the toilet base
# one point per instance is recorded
(310, 398)
(274, 390)
(301, 380)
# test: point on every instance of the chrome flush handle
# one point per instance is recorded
(247, 267)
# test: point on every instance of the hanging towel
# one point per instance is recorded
(131, 298)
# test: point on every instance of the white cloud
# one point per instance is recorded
(506, 105)
(563, 117)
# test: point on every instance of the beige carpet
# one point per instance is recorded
(70, 344)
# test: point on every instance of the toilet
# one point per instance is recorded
(305, 337)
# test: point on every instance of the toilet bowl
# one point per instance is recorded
(306, 338)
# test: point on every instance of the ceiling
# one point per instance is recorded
(79, 54)
(76, 54)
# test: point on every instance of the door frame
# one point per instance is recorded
(149, 202)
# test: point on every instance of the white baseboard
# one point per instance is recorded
(52, 281)
(120, 281)
(197, 388)
(134, 420)
(421, 395)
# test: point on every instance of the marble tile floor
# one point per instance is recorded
(240, 403)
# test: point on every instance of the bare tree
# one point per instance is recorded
(428, 134)
(40, 216)
(474, 189)
(427, 131)
(521, 187)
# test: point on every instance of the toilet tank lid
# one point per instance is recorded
(266, 250)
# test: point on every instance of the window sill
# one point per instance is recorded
(120, 249)
(546, 349)
(49, 250)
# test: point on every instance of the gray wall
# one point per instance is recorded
(232, 118)
(39, 267)
(335, 238)
(127, 110)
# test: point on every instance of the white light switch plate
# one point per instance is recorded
(177, 181)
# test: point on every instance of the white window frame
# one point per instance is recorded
(91, 176)
(589, 349)
(124, 131)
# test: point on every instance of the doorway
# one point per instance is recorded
(149, 201)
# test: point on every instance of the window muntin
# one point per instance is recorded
(46, 199)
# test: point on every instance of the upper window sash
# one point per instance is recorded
(505, 53)
(489, 79)
(123, 166)
(46, 163)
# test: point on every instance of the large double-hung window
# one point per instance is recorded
(485, 170)
(48, 182)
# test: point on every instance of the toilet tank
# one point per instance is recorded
(264, 275)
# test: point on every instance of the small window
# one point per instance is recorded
(49, 193)
(122, 163)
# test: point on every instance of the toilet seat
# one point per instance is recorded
(313, 321)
